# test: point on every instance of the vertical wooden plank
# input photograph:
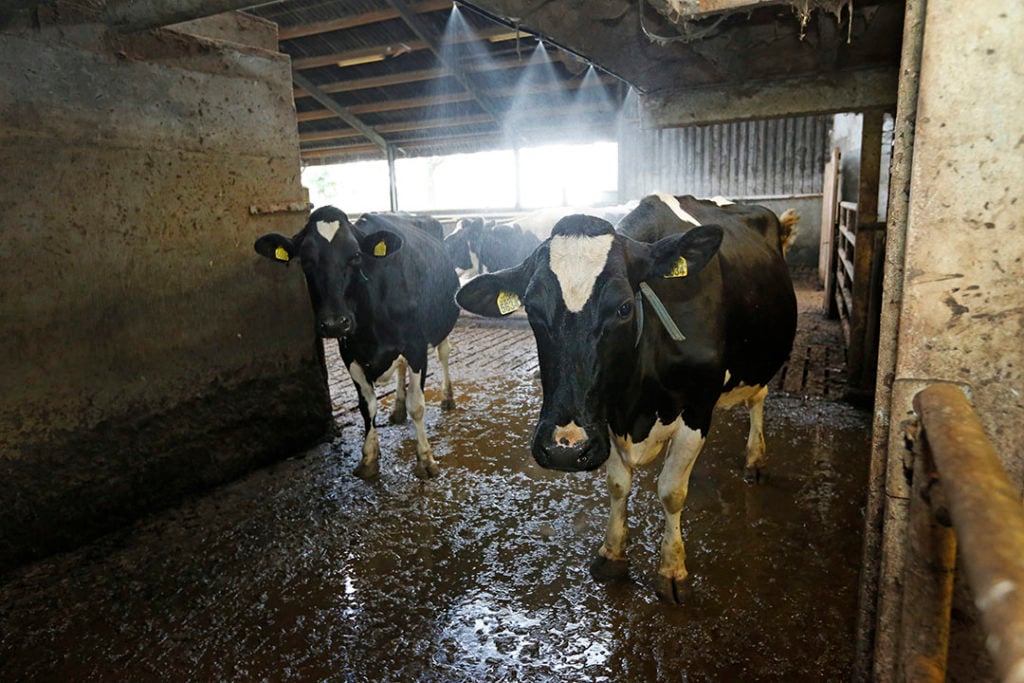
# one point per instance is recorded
(859, 375)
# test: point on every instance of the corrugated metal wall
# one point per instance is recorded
(748, 159)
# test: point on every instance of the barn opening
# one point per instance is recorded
(151, 355)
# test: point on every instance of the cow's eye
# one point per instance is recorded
(625, 309)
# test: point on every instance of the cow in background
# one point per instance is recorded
(480, 246)
(384, 289)
(641, 333)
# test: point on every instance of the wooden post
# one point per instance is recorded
(859, 375)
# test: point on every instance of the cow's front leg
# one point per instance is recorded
(444, 350)
(398, 410)
(611, 562)
(369, 465)
(426, 468)
(673, 483)
(755, 439)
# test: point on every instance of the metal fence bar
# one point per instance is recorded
(986, 511)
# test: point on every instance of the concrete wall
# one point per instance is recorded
(961, 317)
(148, 351)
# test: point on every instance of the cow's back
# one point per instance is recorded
(417, 284)
(748, 279)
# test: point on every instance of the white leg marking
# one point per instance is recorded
(741, 394)
(673, 484)
(755, 439)
(576, 262)
(415, 402)
(619, 478)
(673, 203)
(642, 452)
(371, 446)
(444, 350)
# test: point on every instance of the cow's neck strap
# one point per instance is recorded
(659, 310)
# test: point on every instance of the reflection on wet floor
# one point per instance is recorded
(301, 571)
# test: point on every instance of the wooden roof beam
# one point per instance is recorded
(341, 112)
(417, 102)
(381, 52)
(356, 20)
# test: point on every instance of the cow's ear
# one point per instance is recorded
(276, 247)
(678, 255)
(380, 244)
(496, 294)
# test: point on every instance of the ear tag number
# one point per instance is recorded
(508, 302)
(679, 269)
(281, 254)
(380, 249)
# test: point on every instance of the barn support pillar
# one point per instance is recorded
(953, 298)
(892, 294)
(149, 353)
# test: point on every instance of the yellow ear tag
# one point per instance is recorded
(281, 254)
(508, 302)
(380, 249)
(678, 270)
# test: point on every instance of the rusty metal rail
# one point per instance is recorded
(961, 495)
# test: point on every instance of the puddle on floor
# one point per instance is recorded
(301, 571)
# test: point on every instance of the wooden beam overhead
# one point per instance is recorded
(417, 102)
(386, 51)
(689, 9)
(355, 20)
(344, 114)
(848, 91)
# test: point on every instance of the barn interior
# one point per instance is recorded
(151, 356)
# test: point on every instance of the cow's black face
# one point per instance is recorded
(335, 259)
(579, 289)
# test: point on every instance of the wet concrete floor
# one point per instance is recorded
(302, 572)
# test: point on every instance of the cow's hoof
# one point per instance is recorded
(367, 471)
(426, 470)
(448, 404)
(673, 591)
(398, 416)
(753, 475)
(603, 569)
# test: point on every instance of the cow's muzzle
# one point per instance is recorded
(570, 447)
(336, 326)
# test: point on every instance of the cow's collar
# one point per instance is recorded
(659, 310)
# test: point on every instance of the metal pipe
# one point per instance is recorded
(988, 517)
(129, 16)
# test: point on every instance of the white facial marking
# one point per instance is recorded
(722, 201)
(577, 261)
(673, 203)
(569, 435)
(328, 230)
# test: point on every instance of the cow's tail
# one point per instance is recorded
(787, 229)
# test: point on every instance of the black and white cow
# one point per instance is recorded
(479, 246)
(614, 380)
(384, 288)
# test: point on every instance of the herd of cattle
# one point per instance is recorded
(646, 318)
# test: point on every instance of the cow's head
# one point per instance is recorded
(579, 288)
(337, 259)
(464, 243)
